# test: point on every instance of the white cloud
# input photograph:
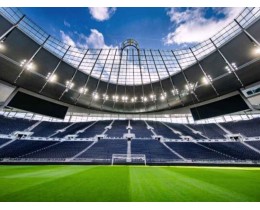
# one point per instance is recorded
(95, 40)
(101, 13)
(67, 24)
(192, 26)
(67, 39)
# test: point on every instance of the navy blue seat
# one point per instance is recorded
(139, 128)
(249, 128)
(9, 125)
(234, 149)
(194, 151)
(153, 150)
(212, 131)
(163, 130)
(185, 131)
(66, 149)
(46, 129)
(118, 129)
(22, 147)
(96, 129)
(104, 149)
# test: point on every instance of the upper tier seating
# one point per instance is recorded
(22, 147)
(249, 128)
(66, 149)
(234, 149)
(46, 129)
(185, 131)
(161, 129)
(96, 129)
(9, 125)
(140, 129)
(104, 149)
(153, 150)
(212, 131)
(118, 129)
(194, 151)
(72, 129)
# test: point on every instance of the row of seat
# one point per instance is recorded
(154, 150)
(248, 128)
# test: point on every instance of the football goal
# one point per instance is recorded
(128, 158)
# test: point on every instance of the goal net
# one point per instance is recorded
(128, 158)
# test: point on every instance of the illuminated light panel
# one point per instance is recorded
(95, 96)
(206, 80)
(83, 90)
(124, 98)
(115, 97)
(257, 50)
(133, 99)
(105, 97)
(144, 98)
(175, 92)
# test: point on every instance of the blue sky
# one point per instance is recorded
(154, 28)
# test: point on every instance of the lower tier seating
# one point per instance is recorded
(22, 147)
(154, 150)
(190, 150)
(104, 149)
(65, 149)
(234, 149)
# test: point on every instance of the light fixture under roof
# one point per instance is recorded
(144, 98)
(206, 80)
(95, 95)
(133, 99)
(175, 92)
(234, 65)
(28, 66)
(69, 85)
(105, 97)
(257, 50)
(124, 98)
(115, 97)
(83, 90)
(163, 96)
(153, 97)
(51, 77)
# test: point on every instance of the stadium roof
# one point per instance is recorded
(129, 79)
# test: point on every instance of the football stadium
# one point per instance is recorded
(125, 122)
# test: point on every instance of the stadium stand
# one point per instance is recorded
(22, 147)
(153, 150)
(72, 129)
(104, 149)
(9, 125)
(66, 149)
(255, 144)
(185, 131)
(45, 129)
(96, 129)
(161, 129)
(247, 128)
(234, 149)
(194, 151)
(212, 131)
(140, 129)
(118, 129)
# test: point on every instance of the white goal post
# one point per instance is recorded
(128, 158)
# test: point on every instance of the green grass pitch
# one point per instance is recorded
(128, 183)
